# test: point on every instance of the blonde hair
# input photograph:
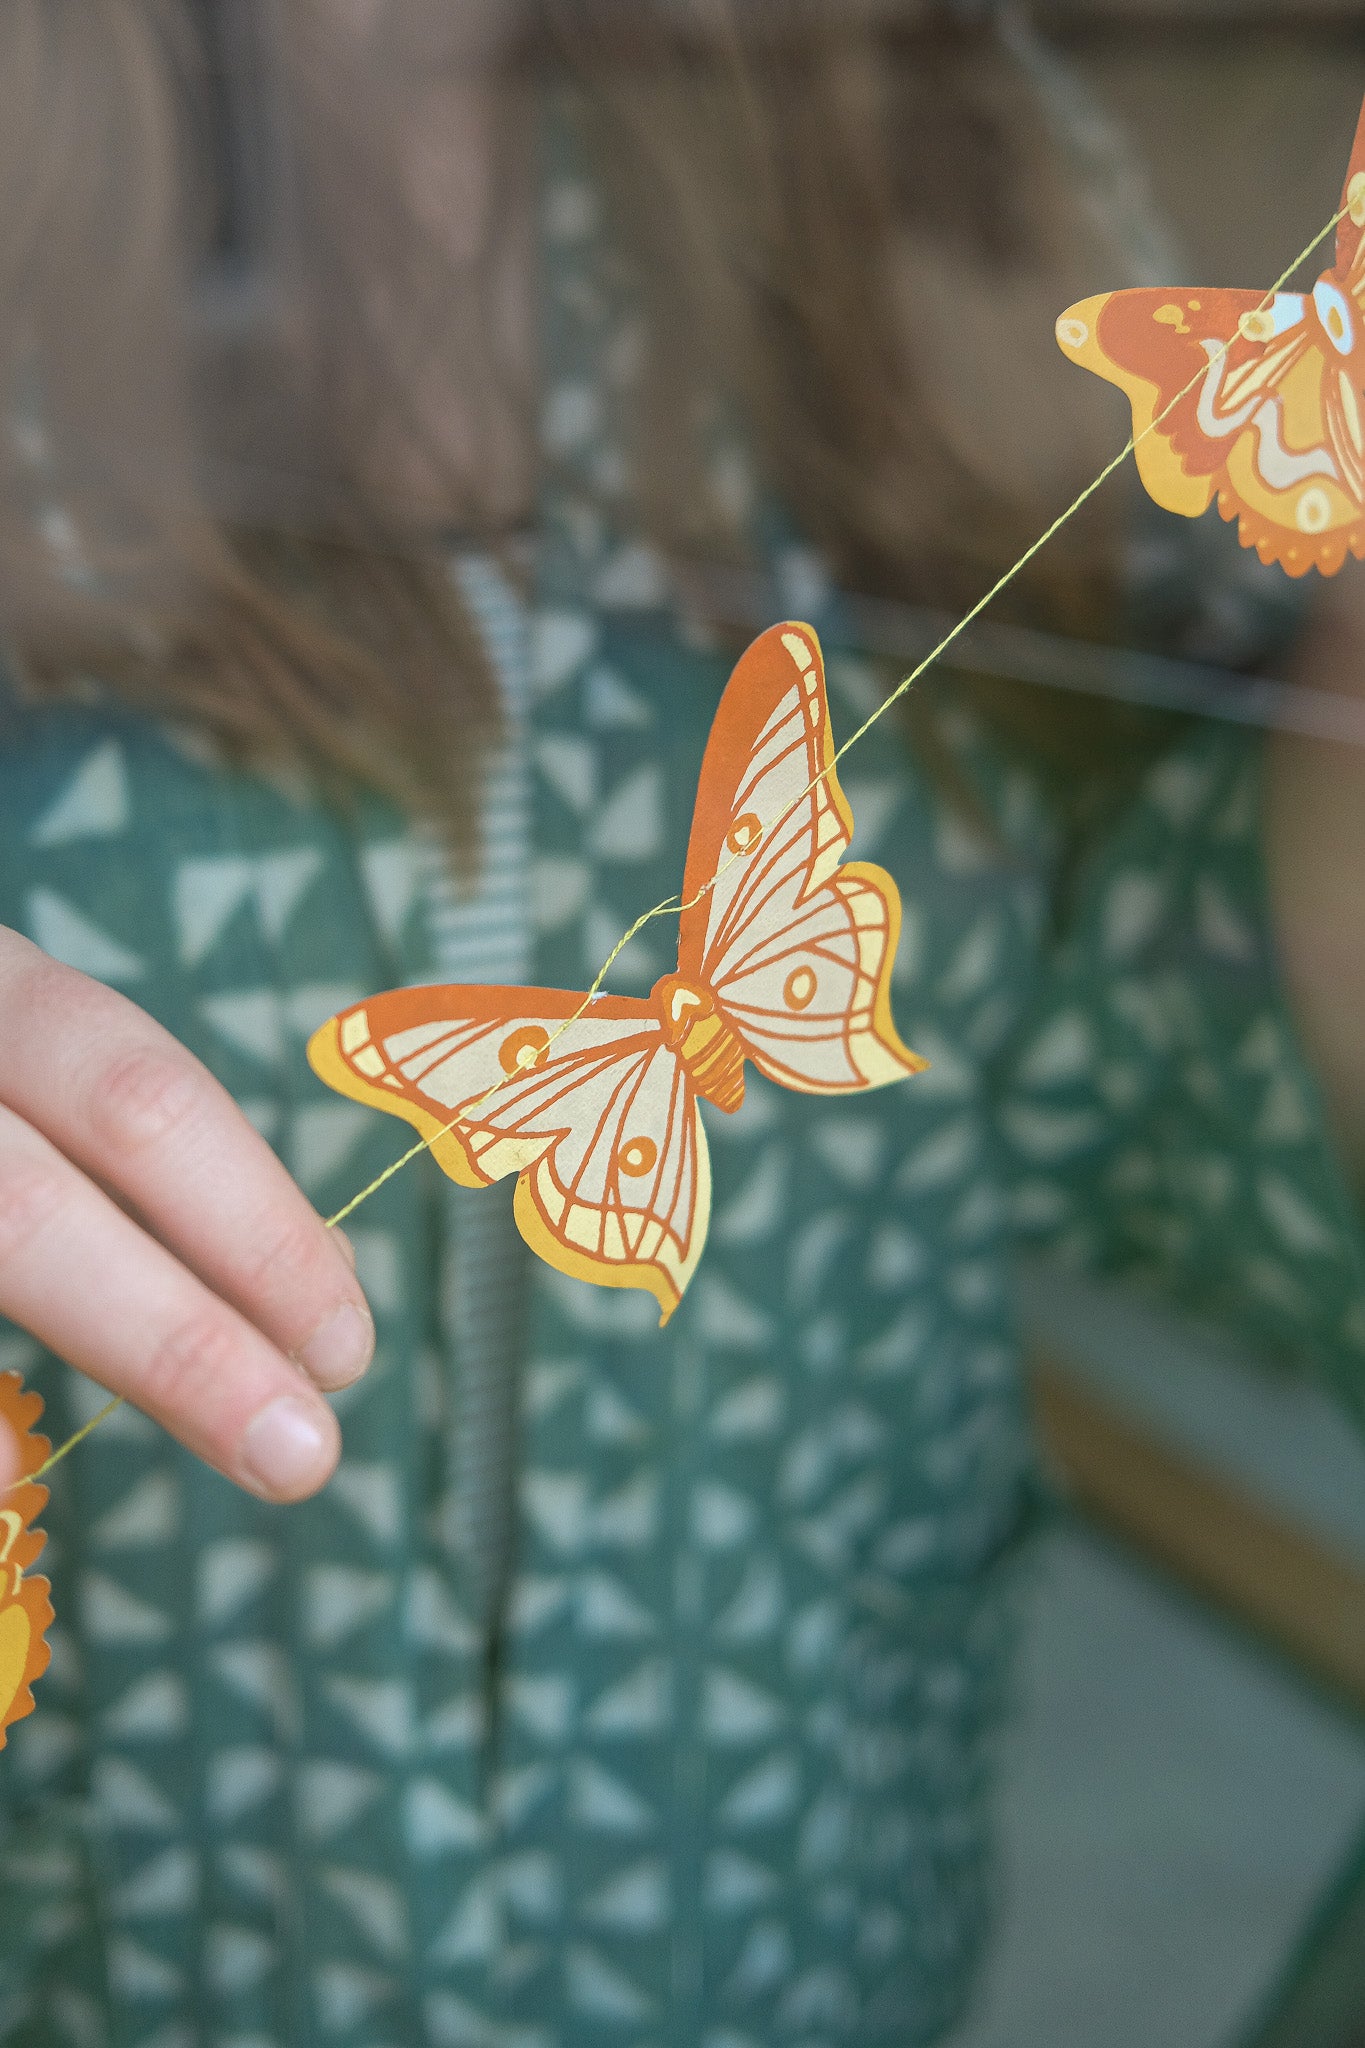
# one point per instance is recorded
(758, 178)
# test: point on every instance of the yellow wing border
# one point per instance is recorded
(442, 1140)
(1163, 475)
(904, 1060)
(646, 1275)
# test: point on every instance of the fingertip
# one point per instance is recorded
(289, 1449)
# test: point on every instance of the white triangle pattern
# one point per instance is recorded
(93, 804)
(70, 936)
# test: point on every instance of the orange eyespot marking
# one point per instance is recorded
(637, 1156)
(524, 1049)
(799, 992)
(744, 833)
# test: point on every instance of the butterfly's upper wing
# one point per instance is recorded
(796, 948)
(599, 1121)
(1273, 423)
(1268, 424)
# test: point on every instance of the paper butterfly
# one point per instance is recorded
(25, 1609)
(1274, 424)
(784, 958)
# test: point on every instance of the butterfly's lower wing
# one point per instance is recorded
(623, 1198)
(796, 947)
(809, 995)
(1260, 425)
(594, 1114)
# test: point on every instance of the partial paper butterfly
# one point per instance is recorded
(784, 959)
(1274, 423)
(25, 1609)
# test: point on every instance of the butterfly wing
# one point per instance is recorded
(1350, 262)
(796, 948)
(25, 1608)
(595, 1116)
(1265, 398)
(1271, 425)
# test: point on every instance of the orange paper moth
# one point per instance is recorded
(784, 959)
(25, 1610)
(1272, 423)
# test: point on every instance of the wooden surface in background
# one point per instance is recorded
(1305, 1599)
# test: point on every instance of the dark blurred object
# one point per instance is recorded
(235, 132)
(1320, 2000)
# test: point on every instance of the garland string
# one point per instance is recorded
(674, 905)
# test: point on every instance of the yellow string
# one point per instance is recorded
(674, 905)
(81, 1434)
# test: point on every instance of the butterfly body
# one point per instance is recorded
(784, 960)
(1257, 401)
(697, 1031)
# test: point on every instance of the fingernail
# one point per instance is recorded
(339, 1349)
(286, 1450)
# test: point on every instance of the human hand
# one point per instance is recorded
(150, 1237)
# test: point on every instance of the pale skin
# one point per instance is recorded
(149, 1236)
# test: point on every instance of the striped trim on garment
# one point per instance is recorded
(480, 933)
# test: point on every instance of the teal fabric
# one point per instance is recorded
(1160, 1118)
(717, 1772)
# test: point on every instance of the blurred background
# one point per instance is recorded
(1184, 1769)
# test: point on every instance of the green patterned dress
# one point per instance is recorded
(667, 1717)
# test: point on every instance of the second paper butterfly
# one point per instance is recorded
(784, 959)
(1254, 399)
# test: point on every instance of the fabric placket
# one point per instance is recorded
(478, 932)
